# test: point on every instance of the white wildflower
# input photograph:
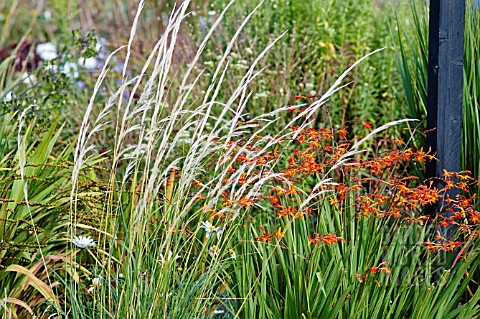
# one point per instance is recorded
(71, 69)
(89, 63)
(8, 97)
(50, 67)
(46, 51)
(95, 283)
(83, 241)
(233, 254)
(29, 79)
(47, 15)
(210, 229)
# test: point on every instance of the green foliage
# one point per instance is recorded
(293, 279)
(323, 38)
(145, 186)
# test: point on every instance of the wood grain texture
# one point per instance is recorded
(445, 87)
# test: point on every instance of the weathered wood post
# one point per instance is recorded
(445, 88)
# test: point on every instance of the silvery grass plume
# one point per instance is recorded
(152, 123)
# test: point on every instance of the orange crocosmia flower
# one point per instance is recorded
(274, 201)
(430, 246)
(475, 217)
(292, 190)
(299, 97)
(327, 239)
(463, 186)
(465, 202)
(291, 161)
(367, 125)
(197, 183)
(445, 223)
(382, 267)
(342, 132)
(228, 202)
(333, 201)
(279, 233)
(420, 220)
(287, 211)
(266, 237)
(246, 202)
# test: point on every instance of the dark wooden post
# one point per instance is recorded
(445, 88)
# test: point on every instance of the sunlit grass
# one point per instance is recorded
(180, 197)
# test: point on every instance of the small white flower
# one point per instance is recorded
(50, 67)
(46, 51)
(89, 63)
(249, 51)
(211, 13)
(210, 229)
(95, 283)
(83, 241)
(47, 15)
(28, 79)
(233, 254)
(165, 261)
(71, 69)
(8, 97)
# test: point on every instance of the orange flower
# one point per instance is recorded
(333, 201)
(266, 237)
(475, 217)
(287, 211)
(279, 233)
(382, 267)
(367, 125)
(328, 239)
